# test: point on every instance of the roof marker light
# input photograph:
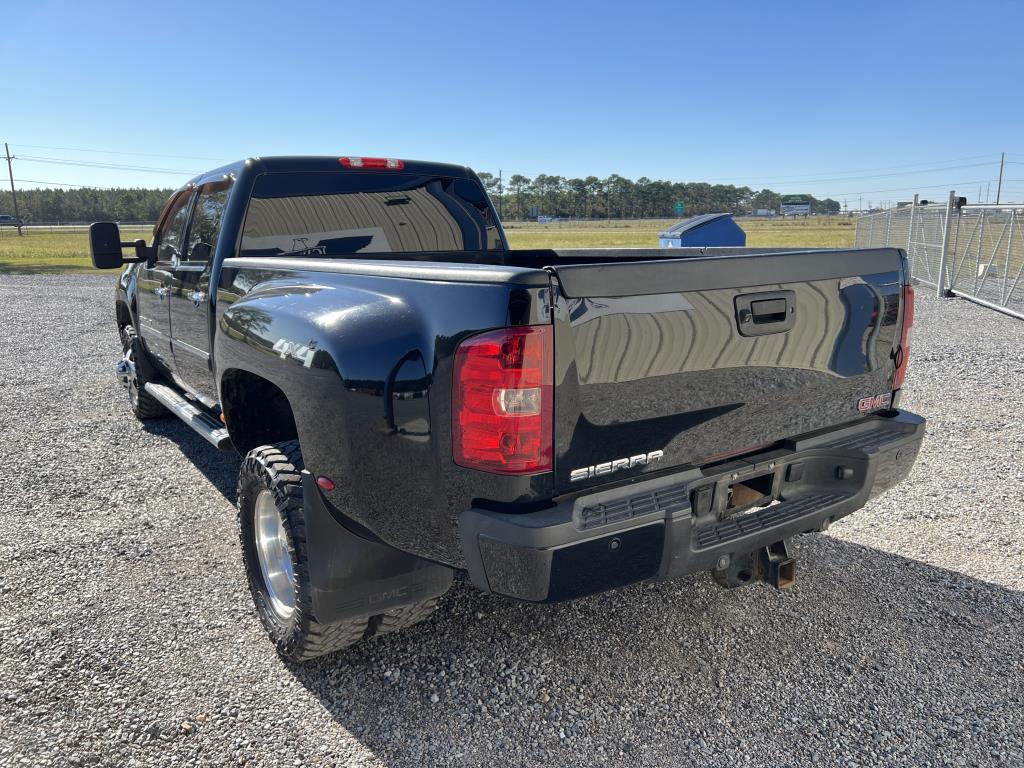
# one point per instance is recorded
(385, 163)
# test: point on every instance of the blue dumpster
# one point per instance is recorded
(712, 230)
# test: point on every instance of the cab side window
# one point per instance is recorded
(206, 220)
(169, 237)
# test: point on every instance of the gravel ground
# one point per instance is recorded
(127, 636)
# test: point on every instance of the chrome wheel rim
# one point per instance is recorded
(274, 556)
(133, 380)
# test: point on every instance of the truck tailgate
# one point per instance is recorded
(716, 355)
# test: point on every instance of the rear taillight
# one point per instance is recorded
(903, 352)
(387, 163)
(502, 401)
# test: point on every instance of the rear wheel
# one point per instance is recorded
(272, 530)
(144, 405)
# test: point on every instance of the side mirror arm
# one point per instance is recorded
(143, 252)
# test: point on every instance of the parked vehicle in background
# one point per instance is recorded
(6, 220)
(413, 398)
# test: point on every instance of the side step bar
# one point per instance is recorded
(212, 430)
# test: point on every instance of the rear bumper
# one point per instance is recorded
(676, 524)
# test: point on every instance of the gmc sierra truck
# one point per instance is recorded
(413, 399)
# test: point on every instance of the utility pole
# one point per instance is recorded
(14, 195)
(998, 187)
(500, 195)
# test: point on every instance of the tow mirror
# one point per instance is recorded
(105, 246)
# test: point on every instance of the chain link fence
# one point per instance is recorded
(56, 227)
(973, 251)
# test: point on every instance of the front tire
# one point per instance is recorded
(143, 404)
(272, 531)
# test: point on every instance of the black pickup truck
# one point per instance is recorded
(412, 398)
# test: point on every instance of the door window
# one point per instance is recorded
(206, 220)
(171, 232)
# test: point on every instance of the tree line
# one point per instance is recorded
(617, 197)
(86, 204)
(519, 197)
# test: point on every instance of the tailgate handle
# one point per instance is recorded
(759, 314)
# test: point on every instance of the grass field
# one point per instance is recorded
(43, 251)
(815, 232)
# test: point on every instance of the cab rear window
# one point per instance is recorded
(312, 215)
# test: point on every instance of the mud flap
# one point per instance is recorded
(353, 576)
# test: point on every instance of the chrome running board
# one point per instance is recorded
(212, 430)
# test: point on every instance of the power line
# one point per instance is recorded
(66, 184)
(815, 176)
(948, 185)
(116, 152)
(822, 176)
(148, 169)
(812, 182)
(109, 166)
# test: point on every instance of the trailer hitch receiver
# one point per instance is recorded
(771, 564)
(776, 566)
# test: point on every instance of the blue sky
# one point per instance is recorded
(853, 100)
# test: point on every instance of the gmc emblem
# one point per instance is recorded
(874, 403)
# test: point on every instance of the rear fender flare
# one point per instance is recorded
(336, 354)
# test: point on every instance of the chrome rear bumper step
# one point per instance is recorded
(212, 430)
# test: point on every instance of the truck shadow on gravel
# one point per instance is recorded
(219, 467)
(871, 654)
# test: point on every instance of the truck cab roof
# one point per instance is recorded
(325, 164)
